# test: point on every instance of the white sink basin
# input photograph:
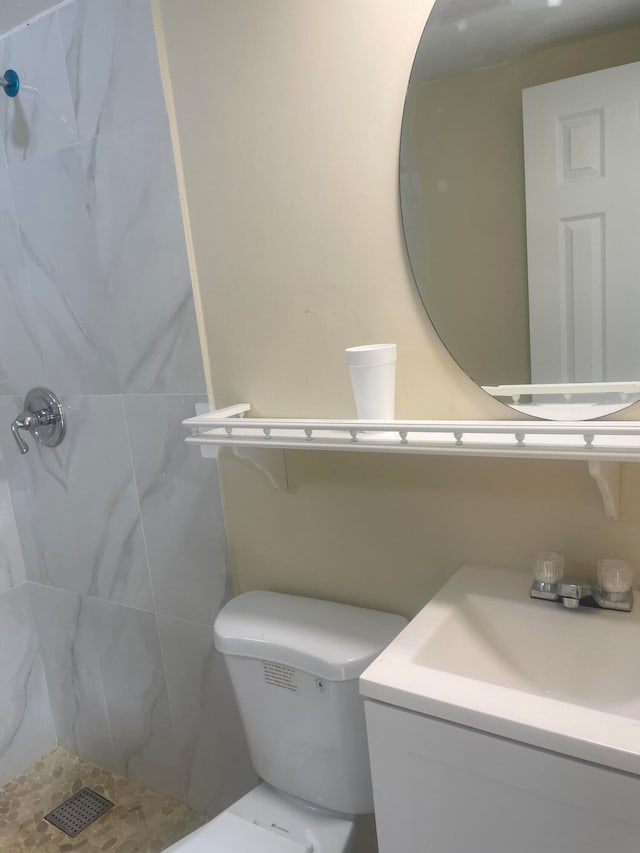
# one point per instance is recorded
(485, 655)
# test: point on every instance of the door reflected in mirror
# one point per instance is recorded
(520, 192)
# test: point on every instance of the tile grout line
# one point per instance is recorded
(108, 601)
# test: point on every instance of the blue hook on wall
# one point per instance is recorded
(10, 82)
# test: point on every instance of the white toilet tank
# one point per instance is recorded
(294, 664)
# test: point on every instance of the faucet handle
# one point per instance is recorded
(23, 421)
(614, 576)
(548, 567)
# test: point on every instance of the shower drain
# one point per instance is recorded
(79, 811)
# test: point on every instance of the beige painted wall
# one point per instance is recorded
(467, 133)
(288, 119)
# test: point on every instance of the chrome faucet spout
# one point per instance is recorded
(573, 590)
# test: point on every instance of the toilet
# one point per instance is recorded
(294, 665)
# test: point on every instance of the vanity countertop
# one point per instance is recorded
(483, 654)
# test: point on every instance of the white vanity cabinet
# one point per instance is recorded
(444, 788)
(498, 723)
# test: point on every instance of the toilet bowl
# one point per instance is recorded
(265, 821)
(294, 665)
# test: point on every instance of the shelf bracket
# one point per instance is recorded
(607, 477)
(268, 461)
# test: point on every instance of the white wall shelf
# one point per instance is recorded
(603, 444)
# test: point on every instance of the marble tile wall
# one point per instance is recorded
(12, 569)
(121, 527)
(26, 725)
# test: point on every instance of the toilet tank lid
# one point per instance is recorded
(329, 640)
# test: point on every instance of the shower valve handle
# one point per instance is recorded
(23, 421)
(43, 417)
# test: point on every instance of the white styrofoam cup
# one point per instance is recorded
(373, 379)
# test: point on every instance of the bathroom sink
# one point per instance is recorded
(484, 655)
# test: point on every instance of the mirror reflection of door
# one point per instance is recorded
(476, 239)
(582, 169)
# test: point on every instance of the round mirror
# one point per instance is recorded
(520, 194)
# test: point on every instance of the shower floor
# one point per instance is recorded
(142, 821)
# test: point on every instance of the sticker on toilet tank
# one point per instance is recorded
(280, 675)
